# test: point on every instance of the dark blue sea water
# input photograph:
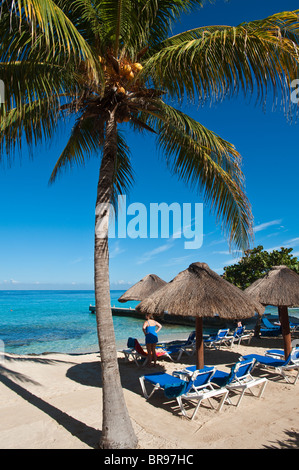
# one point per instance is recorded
(60, 321)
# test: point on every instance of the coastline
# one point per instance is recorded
(60, 321)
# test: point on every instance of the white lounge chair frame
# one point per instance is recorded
(189, 349)
(201, 394)
(280, 370)
(247, 383)
(132, 353)
(230, 340)
(158, 386)
(218, 342)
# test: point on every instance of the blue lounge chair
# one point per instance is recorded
(279, 353)
(189, 340)
(237, 336)
(196, 386)
(270, 329)
(294, 326)
(172, 385)
(216, 340)
(276, 353)
(136, 352)
(202, 390)
(238, 378)
(181, 347)
(279, 366)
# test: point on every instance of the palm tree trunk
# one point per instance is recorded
(117, 430)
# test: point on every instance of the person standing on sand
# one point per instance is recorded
(151, 337)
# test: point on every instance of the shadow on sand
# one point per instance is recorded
(89, 374)
(291, 441)
(80, 430)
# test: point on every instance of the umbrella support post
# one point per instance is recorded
(285, 327)
(199, 343)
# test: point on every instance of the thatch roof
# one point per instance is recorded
(199, 291)
(279, 287)
(143, 288)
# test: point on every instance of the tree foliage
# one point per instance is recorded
(109, 64)
(256, 263)
(71, 58)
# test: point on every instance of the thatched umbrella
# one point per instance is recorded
(143, 288)
(198, 291)
(279, 287)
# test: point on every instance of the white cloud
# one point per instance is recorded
(116, 250)
(293, 242)
(77, 260)
(287, 244)
(231, 261)
(121, 284)
(179, 260)
(218, 270)
(265, 225)
(217, 242)
(11, 281)
(160, 249)
(274, 248)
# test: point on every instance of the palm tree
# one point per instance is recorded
(113, 64)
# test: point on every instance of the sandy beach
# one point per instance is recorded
(53, 401)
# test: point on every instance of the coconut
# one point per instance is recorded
(130, 76)
(127, 68)
(137, 66)
(121, 90)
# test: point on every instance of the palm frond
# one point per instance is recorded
(33, 70)
(156, 19)
(85, 140)
(86, 17)
(216, 61)
(44, 16)
(26, 82)
(34, 122)
(117, 16)
(131, 25)
(208, 164)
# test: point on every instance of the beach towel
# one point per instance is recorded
(173, 391)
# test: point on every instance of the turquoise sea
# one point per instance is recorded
(60, 321)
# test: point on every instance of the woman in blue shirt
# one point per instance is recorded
(150, 329)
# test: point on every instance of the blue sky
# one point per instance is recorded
(47, 232)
